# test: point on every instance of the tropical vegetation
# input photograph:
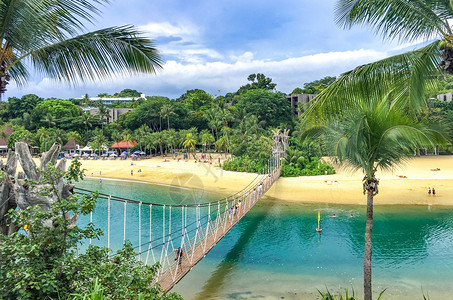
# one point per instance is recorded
(50, 36)
(377, 115)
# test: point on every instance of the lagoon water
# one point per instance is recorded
(275, 253)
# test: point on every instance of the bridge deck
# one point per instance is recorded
(208, 237)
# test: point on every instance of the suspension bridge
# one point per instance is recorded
(179, 236)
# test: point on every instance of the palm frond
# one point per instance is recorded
(406, 20)
(97, 55)
(407, 75)
(31, 24)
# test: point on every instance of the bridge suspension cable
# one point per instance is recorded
(187, 231)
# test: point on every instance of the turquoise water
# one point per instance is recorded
(274, 251)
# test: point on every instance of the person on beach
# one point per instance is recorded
(429, 191)
(132, 172)
(239, 205)
(434, 191)
(179, 255)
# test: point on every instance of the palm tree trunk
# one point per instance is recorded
(168, 122)
(368, 247)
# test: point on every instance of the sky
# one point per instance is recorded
(215, 45)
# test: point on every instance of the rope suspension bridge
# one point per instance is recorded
(179, 236)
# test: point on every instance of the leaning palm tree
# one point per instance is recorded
(49, 36)
(374, 134)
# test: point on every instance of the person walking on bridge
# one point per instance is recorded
(179, 255)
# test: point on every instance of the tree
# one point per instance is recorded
(408, 74)
(371, 135)
(206, 139)
(189, 142)
(18, 107)
(147, 113)
(166, 111)
(128, 93)
(196, 100)
(18, 135)
(41, 261)
(258, 81)
(54, 110)
(49, 36)
(273, 108)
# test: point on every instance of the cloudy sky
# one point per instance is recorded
(215, 45)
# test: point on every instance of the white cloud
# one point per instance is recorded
(167, 29)
(177, 77)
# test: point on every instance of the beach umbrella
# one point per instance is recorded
(137, 152)
(134, 155)
(104, 154)
(75, 155)
(113, 155)
(94, 154)
(142, 153)
(85, 154)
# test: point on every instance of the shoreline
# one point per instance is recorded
(406, 185)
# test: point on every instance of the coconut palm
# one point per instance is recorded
(189, 142)
(166, 111)
(48, 35)
(408, 74)
(206, 139)
(372, 135)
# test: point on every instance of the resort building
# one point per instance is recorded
(114, 113)
(123, 146)
(111, 100)
(447, 97)
(300, 99)
(71, 147)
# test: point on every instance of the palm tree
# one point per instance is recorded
(374, 134)
(189, 142)
(171, 138)
(117, 137)
(159, 138)
(129, 139)
(166, 111)
(103, 112)
(48, 35)
(140, 133)
(49, 120)
(206, 139)
(408, 74)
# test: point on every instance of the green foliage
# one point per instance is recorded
(196, 100)
(127, 93)
(272, 108)
(18, 135)
(329, 296)
(258, 81)
(244, 164)
(41, 260)
(17, 107)
(296, 165)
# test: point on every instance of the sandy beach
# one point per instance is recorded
(407, 184)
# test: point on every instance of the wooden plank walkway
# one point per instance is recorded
(206, 238)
